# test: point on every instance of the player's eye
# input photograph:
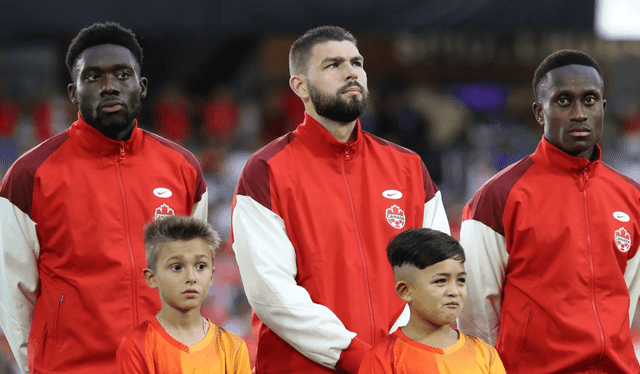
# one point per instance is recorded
(201, 266)
(176, 267)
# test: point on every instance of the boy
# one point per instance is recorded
(179, 253)
(428, 266)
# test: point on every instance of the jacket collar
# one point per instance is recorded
(94, 142)
(320, 140)
(555, 158)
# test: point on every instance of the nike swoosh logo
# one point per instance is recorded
(392, 194)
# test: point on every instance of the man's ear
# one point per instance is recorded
(150, 278)
(143, 87)
(298, 84)
(72, 91)
(538, 113)
(403, 290)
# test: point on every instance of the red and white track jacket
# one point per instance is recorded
(551, 245)
(311, 221)
(72, 212)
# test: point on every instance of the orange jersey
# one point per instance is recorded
(150, 349)
(400, 355)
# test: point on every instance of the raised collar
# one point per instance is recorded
(555, 158)
(94, 142)
(320, 140)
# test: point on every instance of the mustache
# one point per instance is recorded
(351, 84)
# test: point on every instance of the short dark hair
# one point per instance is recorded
(300, 51)
(423, 247)
(174, 228)
(102, 33)
(559, 59)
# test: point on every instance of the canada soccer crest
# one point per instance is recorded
(395, 217)
(622, 239)
(164, 211)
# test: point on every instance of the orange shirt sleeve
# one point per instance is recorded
(129, 358)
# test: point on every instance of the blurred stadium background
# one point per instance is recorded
(449, 79)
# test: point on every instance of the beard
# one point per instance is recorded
(113, 129)
(335, 107)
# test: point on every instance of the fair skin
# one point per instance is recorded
(183, 275)
(332, 65)
(436, 295)
(571, 109)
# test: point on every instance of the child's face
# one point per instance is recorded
(438, 292)
(184, 273)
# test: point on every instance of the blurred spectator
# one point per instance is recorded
(220, 117)
(172, 113)
(9, 117)
(282, 112)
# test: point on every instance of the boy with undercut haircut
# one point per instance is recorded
(179, 252)
(428, 267)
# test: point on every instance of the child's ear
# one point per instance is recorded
(213, 270)
(150, 278)
(403, 290)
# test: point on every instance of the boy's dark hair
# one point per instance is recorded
(423, 247)
(174, 228)
(559, 59)
(102, 33)
(300, 51)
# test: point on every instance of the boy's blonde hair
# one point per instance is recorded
(174, 228)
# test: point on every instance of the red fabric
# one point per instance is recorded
(340, 247)
(90, 197)
(564, 278)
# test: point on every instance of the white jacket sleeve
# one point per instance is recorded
(19, 249)
(632, 277)
(267, 262)
(201, 208)
(486, 264)
(435, 216)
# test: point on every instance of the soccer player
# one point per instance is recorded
(552, 240)
(312, 213)
(428, 266)
(180, 252)
(72, 212)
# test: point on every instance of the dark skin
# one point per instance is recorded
(107, 89)
(571, 109)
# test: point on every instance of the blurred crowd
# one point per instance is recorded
(464, 135)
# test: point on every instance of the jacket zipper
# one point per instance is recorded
(347, 157)
(134, 289)
(585, 179)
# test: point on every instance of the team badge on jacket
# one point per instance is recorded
(395, 217)
(164, 211)
(622, 239)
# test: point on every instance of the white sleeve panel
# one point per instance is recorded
(267, 262)
(201, 208)
(486, 264)
(402, 320)
(435, 216)
(632, 277)
(19, 249)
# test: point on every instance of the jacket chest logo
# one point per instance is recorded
(395, 217)
(622, 239)
(164, 211)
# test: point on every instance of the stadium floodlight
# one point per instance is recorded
(617, 19)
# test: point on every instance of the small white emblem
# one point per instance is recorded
(164, 193)
(621, 216)
(392, 194)
(622, 239)
(395, 217)
(164, 211)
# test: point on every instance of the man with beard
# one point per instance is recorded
(313, 213)
(72, 214)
